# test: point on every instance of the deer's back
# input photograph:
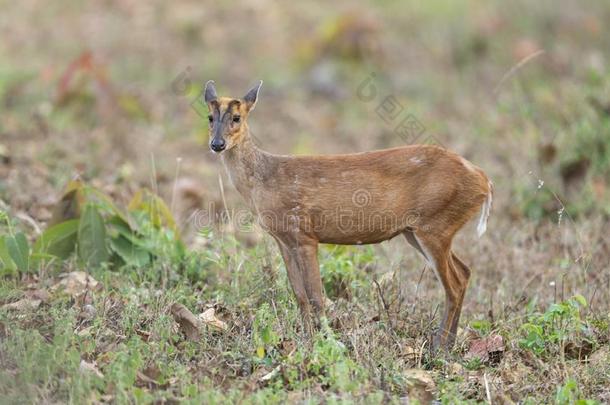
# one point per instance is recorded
(378, 187)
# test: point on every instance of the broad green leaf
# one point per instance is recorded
(155, 207)
(106, 202)
(19, 250)
(5, 257)
(118, 226)
(92, 247)
(131, 254)
(58, 240)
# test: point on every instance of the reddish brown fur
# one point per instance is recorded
(424, 192)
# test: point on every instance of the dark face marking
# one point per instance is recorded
(224, 121)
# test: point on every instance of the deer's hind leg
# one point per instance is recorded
(296, 279)
(464, 274)
(436, 249)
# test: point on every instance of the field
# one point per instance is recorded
(132, 272)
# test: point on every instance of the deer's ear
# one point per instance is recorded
(209, 93)
(252, 95)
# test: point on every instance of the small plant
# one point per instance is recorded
(569, 394)
(482, 326)
(543, 333)
(15, 251)
(263, 333)
(344, 274)
(326, 362)
(88, 223)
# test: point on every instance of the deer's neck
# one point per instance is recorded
(247, 167)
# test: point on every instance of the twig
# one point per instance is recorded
(516, 67)
(385, 305)
(175, 188)
(421, 276)
(487, 391)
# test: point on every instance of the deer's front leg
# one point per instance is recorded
(296, 279)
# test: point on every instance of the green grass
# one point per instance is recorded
(126, 329)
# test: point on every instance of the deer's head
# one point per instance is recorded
(228, 117)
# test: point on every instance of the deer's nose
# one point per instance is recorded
(218, 144)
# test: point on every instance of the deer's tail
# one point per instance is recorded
(485, 210)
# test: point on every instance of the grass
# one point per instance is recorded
(107, 109)
(376, 333)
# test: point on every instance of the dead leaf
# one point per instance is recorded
(513, 370)
(38, 294)
(456, 368)
(23, 304)
(85, 331)
(420, 386)
(287, 347)
(142, 380)
(90, 368)
(410, 353)
(487, 349)
(76, 283)
(144, 334)
(208, 317)
(270, 375)
(190, 325)
(600, 357)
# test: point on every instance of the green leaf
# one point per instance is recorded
(130, 253)
(580, 300)
(58, 240)
(19, 250)
(92, 247)
(5, 257)
(119, 227)
(105, 202)
(158, 212)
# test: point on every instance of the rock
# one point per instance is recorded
(24, 304)
(456, 368)
(489, 349)
(86, 367)
(420, 386)
(76, 283)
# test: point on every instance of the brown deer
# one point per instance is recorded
(423, 192)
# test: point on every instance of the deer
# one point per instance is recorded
(424, 192)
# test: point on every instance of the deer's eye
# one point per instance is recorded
(236, 119)
(210, 118)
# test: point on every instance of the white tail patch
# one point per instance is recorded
(485, 210)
